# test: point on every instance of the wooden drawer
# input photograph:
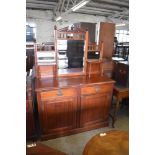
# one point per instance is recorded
(97, 89)
(58, 93)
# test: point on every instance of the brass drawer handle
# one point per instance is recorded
(97, 88)
(59, 93)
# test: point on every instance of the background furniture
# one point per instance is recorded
(121, 88)
(106, 35)
(121, 73)
(29, 56)
(122, 50)
(90, 27)
(119, 93)
(108, 143)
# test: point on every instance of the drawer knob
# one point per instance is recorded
(97, 89)
(59, 93)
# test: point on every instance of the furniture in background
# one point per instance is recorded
(121, 88)
(29, 56)
(122, 50)
(90, 27)
(108, 143)
(41, 149)
(106, 35)
(121, 73)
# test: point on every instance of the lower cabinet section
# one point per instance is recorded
(94, 109)
(59, 115)
(70, 110)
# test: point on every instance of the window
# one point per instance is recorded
(30, 32)
(122, 35)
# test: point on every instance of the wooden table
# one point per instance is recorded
(108, 143)
(120, 94)
(41, 149)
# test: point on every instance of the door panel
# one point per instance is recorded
(95, 108)
(59, 114)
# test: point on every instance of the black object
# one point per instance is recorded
(75, 52)
(75, 62)
(29, 59)
(29, 34)
(93, 55)
(75, 48)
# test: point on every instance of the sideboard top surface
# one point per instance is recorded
(62, 82)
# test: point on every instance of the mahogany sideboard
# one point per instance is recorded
(69, 105)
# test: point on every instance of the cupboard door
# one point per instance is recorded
(58, 114)
(94, 108)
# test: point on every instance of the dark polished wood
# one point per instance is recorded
(29, 59)
(120, 93)
(121, 88)
(121, 73)
(30, 126)
(41, 149)
(69, 105)
(108, 143)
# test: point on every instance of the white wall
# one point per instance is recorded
(45, 24)
(126, 27)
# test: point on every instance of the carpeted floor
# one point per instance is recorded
(74, 144)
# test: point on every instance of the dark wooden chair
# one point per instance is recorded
(119, 93)
(121, 88)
